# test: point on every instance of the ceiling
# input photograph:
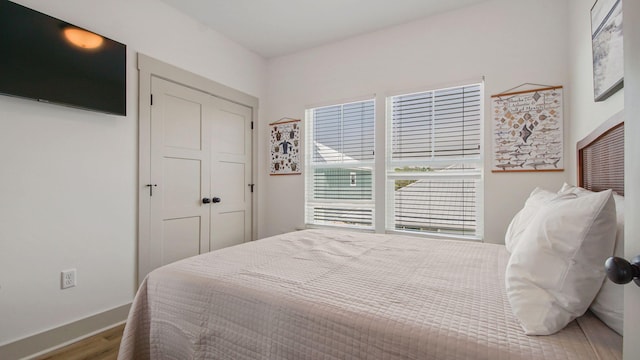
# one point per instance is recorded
(272, 28)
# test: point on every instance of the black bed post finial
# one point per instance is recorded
(620, 271)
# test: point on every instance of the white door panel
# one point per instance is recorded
(230, 229)
(231, 174)
(230, 129)
(181, 239)
(181, 187)
(230, 185)
(180, 166)
(182, 123)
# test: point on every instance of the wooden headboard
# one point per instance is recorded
(601, 157)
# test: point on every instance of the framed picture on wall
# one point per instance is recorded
(607, 48)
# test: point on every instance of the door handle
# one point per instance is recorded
(206, 200)
(151, 186)
(216, 200)
(621, 271)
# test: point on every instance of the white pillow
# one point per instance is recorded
(572, 189)
(537, 198)
(608, 305)
(557, 268)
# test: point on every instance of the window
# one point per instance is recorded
(434, 161)
(339, 165)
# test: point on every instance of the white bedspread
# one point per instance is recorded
(320, 294)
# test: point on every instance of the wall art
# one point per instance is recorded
(285, 147)
(607, 48)
(527, 130)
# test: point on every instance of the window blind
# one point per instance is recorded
(340, 171)
(434, 162)
(437, 125)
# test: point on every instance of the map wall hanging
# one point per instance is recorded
(285, 147)
(527, 130)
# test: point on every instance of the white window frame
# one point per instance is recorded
(310, 166)
(392, 175)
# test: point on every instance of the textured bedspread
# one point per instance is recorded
(319, 294)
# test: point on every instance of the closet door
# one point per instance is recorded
(195, 166)
(200, 198)
(230, 174)
(180, 172)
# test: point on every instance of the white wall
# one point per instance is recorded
(68, 182)
(586, 114)
(509, 42)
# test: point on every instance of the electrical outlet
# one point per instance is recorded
(68, 278)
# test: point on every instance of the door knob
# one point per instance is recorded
(216, 199)
(206, 200)
(621, 271)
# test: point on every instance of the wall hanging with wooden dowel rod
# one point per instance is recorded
(285, 145)
(527, 129)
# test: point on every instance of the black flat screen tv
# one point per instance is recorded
(49, 60)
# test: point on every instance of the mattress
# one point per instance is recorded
(326, 294)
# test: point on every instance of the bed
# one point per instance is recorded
(330, 294)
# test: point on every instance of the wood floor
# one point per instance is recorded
(102, 346)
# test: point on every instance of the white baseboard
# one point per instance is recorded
(64, 335)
